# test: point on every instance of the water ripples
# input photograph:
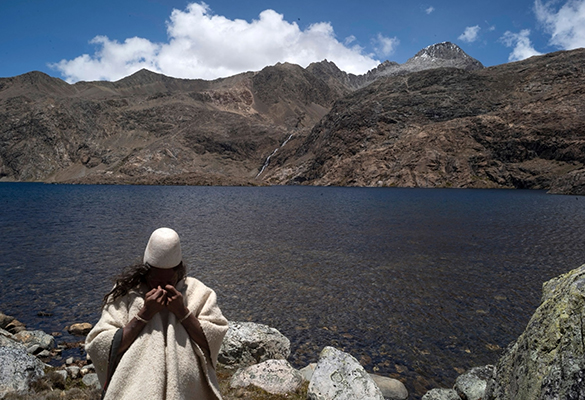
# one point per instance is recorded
(417, 284)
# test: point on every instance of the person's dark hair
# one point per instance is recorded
(133, 276)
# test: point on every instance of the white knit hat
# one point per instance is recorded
(163, 249)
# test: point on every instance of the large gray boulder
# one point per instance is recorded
(274, 376)
(17, 369)
(472, 384)
(548, 360)
(247, 343)
(339, 376)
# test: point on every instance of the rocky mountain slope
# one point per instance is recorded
(517, 125)
(149, 127)
(438, 120)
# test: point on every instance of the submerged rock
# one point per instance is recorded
(548, 360)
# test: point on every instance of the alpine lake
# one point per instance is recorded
(417, 284)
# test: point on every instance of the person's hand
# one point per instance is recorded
(154, 301)
(175, 302)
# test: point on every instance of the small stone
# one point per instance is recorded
(44, 314)
(6, 334)
(15, 326)
(69, 361)
(87, 369)
(74, 371)
(62, 373)
(91, 381)
(390, 388)
(44, 354)
(441, 394)
(34, 349)
(80, 329)
(5, 320)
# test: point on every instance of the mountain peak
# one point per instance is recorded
(445, 50)
(38, 83)
(38, 77)
(445, 54)
(143, 76)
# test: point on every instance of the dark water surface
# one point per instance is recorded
(418, 284)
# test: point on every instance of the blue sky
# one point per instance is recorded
(107, 40)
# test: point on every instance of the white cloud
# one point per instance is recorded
(385, 46)
(566, 26)
(203, 45)
(113, 59)
(349, 40)
(521, 43)
(430, 10)
(470, 34)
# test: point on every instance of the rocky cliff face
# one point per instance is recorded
(518, 125)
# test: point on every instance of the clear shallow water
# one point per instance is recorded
(418, 284)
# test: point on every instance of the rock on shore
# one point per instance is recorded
(17, 369)
(548, 359)
(247, 343)
(340, 376)
(546, 362)
(257, 351)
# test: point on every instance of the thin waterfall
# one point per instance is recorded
(273, 153)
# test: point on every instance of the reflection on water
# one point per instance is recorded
(417, 284)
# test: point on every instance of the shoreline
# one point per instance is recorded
(65, 355)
